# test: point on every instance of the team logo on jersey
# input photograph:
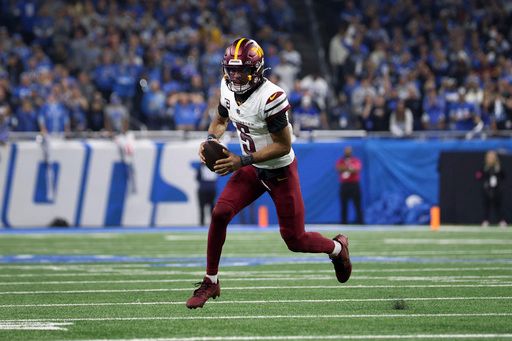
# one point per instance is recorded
(274, 96)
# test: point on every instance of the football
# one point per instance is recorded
(212, 152)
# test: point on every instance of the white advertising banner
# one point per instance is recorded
(98, 183)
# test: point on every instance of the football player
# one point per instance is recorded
(259, 111)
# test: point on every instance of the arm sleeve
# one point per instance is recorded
(275, 111)
(223, 111)
(277, 122)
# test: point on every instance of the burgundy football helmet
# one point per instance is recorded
(243, 65)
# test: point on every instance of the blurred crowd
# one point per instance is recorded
(402, 66)
(97, 65)
(110, 66)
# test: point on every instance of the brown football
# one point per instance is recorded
(212, 152)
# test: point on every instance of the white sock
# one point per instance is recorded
(337, 249)
(212, 278)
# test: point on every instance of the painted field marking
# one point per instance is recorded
(99, 304)
(281, 278)
(429, 241)
(285, 255)
(203, 237)
(434, 253)
(325, 337)
(33, 325)
(146, 271)
(73, 267)
(288, 287)
(261, 317)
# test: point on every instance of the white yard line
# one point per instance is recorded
(260, 317)
(245, 302)
(148, 272)
(33, 325)
(281, 278)
(438, 253)
(323, 337)
(429, 241)
(75, 267)
(362, 252)
(286, 287)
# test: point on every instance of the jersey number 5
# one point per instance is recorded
(249, 146)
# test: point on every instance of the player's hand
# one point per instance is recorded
(201, 149)
(228, 165)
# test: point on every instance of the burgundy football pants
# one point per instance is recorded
(242, 189)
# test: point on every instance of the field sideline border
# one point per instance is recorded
(242, 228)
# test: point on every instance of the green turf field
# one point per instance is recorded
(407, 284)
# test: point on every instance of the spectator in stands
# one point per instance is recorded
(401, 120)
(116, 116)
(338, 54)
(296, 94)
(462, 115)
(291, 55)
(308, 115)
(153, 106)
(317, 87)
(24, 89)
(474, 93)
(26, 117)
(492, 176)
(5, 123)
(187, 112)
(87, 89)
(287, 72)
(375, 116)
(77, 105)
(341, 115)
(360, 92)
(105, 74)
(358, 52)
(497, 104)
(349, 169)
(434, 109)
(126, 75)
(53, 117)
(96, 113)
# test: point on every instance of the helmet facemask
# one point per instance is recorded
(240, 79)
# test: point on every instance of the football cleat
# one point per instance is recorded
(206, 290)
(342, 265)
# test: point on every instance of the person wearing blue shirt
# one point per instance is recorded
(127, 75)
(105, 73)
(25, 88)
(53, 117)
(463, 115)
(153, 106)
(5, 123)
(26, 117)
(307, 116)
(433, 110)
(186, 114)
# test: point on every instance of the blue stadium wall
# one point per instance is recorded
(91, 186)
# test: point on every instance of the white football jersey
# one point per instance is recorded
(250, 119)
